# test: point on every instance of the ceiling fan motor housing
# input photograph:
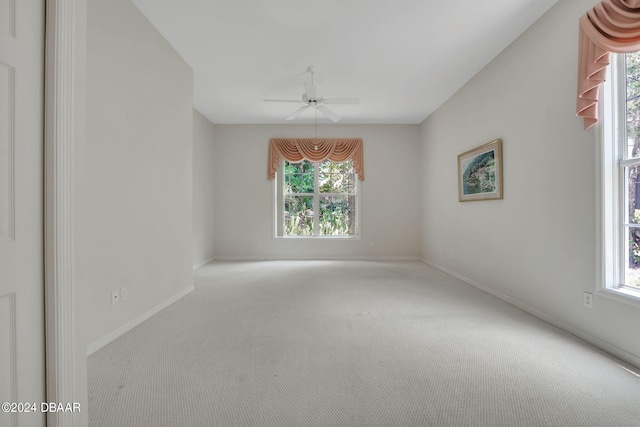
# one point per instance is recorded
(305, 98)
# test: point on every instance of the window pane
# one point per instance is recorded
(336, 177)
(298, 177)
(337, 215)
(633, 128)
(325, 176)
(633, 104)
(302, 167)
(632, 202)
(298, 216)
(632, 234)
(298, 183)
(632, 264)
(633, 74)
(344, 183)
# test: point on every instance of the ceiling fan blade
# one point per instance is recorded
(297, 112)
(327, 112)
(283, 100)
(311, 91)
(342, 100)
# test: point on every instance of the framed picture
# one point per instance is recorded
(480, 173)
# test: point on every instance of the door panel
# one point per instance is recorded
(7, 17)
(7, 108)
(22, 376)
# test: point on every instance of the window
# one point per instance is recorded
(317, 200)
(620, 167)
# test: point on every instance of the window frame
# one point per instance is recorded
(611, 235)
(279, 198)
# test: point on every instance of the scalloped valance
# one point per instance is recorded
(610, 26)
(296, 150)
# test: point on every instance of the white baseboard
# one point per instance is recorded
(611, 349)
(203, 263)
(92, 348)
(316, 258)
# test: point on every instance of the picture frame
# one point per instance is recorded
(480, 173)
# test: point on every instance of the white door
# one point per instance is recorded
(22, 375)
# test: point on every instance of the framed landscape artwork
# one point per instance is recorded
(480, 173)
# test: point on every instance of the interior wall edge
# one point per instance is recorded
(202, 263)
(610, 349)
(97, 345)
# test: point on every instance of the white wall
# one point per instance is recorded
(133, 173)
(390, 194)
(537, 246)
(203, 189)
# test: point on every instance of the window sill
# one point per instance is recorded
(623, 295)
(325, 238)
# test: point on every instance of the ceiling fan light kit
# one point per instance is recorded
(311, 98)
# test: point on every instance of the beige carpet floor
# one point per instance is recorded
(351, 343)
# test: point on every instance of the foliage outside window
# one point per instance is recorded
(317, 199)
(621, 177)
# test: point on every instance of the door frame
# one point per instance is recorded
(65, 84)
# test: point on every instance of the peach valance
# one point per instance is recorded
(296, 150)
(610, 26)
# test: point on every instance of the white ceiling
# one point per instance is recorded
(402, 58)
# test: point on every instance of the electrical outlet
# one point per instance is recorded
(588, 300)
(115, 296)
(124, 293)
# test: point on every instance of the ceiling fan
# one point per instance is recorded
(311, 98)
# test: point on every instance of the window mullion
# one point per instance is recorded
(629, 162)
